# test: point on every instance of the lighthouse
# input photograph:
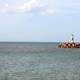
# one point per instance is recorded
(72, 40)
(71, 44)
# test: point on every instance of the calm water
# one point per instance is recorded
(38, 61)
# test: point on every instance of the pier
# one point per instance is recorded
(71, 44)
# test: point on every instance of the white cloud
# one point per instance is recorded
(24, 7)
(47, 12)
(42, 7)
(29, 6)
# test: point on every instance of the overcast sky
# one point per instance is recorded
(39, 20)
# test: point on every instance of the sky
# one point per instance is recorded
(39, 20)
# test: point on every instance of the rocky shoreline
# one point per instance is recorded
(69, 45)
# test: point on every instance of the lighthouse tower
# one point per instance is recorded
(72, 40)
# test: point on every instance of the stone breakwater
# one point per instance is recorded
(69, 45)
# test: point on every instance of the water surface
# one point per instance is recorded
(38, 61)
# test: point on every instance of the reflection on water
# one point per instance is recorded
(41, 61)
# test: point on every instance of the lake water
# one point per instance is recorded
(38, 61)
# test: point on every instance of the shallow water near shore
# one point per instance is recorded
(38, 61)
